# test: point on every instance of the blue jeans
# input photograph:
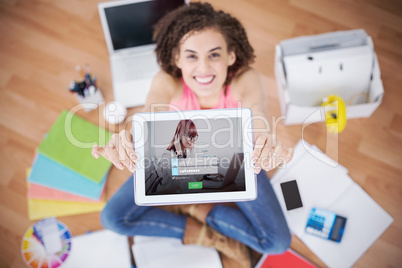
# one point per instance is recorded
(259, 224)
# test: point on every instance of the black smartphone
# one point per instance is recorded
(291, 195)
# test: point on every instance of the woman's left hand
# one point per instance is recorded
(269, 153)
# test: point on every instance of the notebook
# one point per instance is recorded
(287, 259)
(128, 30)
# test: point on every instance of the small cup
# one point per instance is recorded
(115, 112)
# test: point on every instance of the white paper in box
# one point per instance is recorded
(295, 113)
(330, 187)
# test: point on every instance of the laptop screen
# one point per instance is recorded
(194, 156)
(131, 25)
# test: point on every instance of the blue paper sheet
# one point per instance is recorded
(49, 173)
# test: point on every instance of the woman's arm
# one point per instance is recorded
(119, 150)
(268, 151)
(163, 88)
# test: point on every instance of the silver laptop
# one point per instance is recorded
(128, 29)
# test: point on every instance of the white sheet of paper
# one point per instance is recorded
(100, 249)
(319, 185)
(366, 221)
(156, 252)
(302, 148)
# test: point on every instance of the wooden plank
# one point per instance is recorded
(43, 40)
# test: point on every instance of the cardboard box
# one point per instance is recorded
(355, 62)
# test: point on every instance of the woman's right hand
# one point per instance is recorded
(119, 150)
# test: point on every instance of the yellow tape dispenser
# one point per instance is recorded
(335, 113)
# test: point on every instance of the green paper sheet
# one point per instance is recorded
(70, 142)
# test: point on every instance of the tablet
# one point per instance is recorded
(201, 156)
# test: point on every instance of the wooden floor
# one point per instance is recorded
(41, 41)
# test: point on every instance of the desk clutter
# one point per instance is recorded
(86, 89)
(64, 178)
(46, 244)
(309, 69)
(49, 243)
(334, 217)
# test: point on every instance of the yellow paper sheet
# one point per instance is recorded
(38, 208)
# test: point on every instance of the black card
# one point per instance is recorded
(291, 194)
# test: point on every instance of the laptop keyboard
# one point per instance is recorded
(135, 68)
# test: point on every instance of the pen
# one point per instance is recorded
(94, 82)
(87, 75)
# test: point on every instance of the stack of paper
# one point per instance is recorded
(325, 184)
(65, 179)
(155, 252)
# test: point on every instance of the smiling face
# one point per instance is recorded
(203, 59)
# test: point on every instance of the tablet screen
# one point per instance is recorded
(194, 156)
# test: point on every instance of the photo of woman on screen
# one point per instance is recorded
(181, 145)
(183, 139)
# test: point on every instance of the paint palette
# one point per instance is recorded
(34, 252)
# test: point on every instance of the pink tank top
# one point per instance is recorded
(189, 101)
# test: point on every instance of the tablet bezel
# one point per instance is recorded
(139, 131)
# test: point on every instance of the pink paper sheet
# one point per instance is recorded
(36, 191)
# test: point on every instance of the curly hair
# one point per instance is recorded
(170, 30)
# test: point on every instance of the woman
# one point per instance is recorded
(180, 147)
(205, 56)
(183, 139)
